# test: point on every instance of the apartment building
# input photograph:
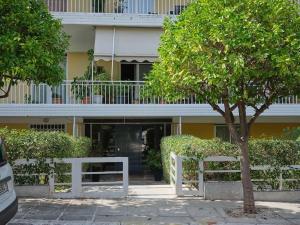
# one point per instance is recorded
(115, 113)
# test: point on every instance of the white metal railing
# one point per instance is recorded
(156, 7)
(98, 92)
(184, 186)
(79, 186)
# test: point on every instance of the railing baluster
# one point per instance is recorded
(112, 92)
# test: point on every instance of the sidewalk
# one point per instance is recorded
(138, 211)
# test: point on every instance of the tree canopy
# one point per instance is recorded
(234, 55)
(32, 44)
(245, 50)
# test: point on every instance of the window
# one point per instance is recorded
(222, 132)
(135, 71)
(135, 6)
(48, 127)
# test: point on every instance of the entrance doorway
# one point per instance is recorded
(131, 140)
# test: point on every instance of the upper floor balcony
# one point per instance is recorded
(146, 7)
(113, 99)
(100, 92)
(116, 12)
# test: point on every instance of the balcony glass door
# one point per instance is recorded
(138, 6)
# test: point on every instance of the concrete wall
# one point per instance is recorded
(233, 191)
(77, 64)
(205, 131)
(14, 125)
(270, 129)
(36, 191)
(259, 130)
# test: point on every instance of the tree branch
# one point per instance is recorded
(216, 108)
(232, 108)
(254, 107)
(257, 113)
(229, 118)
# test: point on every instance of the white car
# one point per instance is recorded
(8, 199)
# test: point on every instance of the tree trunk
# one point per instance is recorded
(241, 139)
(249, 204)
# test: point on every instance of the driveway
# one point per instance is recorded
(140, 211)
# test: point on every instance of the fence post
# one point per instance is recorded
(171, 170)
(280, 180)
(51, 179)
(125, 176)
(200, 178)
(178, 175)
(76, 177)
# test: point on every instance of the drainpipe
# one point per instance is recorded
(92, 89)
(74, 126)
(113, 55)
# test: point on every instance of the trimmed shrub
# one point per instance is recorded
(292, 134)
(276, 153)
(186, 145)
(30, 144)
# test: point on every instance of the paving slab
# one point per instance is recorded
(136, 211)
(111, 211)
(171, 220)
(173, 211)
(142, 211)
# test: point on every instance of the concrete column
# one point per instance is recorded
(180, 125)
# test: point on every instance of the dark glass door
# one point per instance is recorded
(126, 140)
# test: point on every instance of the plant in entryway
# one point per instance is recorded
(154, 163)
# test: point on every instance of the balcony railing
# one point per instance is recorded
(96, 92)
(157, 7)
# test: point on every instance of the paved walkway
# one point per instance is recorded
(154, 211)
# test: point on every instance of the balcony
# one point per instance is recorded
(99, 93)
(141, 7)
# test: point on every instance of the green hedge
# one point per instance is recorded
(292, 134)
(30, 144)
(276, 153)
(186, 145)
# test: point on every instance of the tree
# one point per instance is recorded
(245, 53)
(32, 44)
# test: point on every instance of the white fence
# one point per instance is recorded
(78, 186)
(156, 7)
(184, 186)
(99, 92)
